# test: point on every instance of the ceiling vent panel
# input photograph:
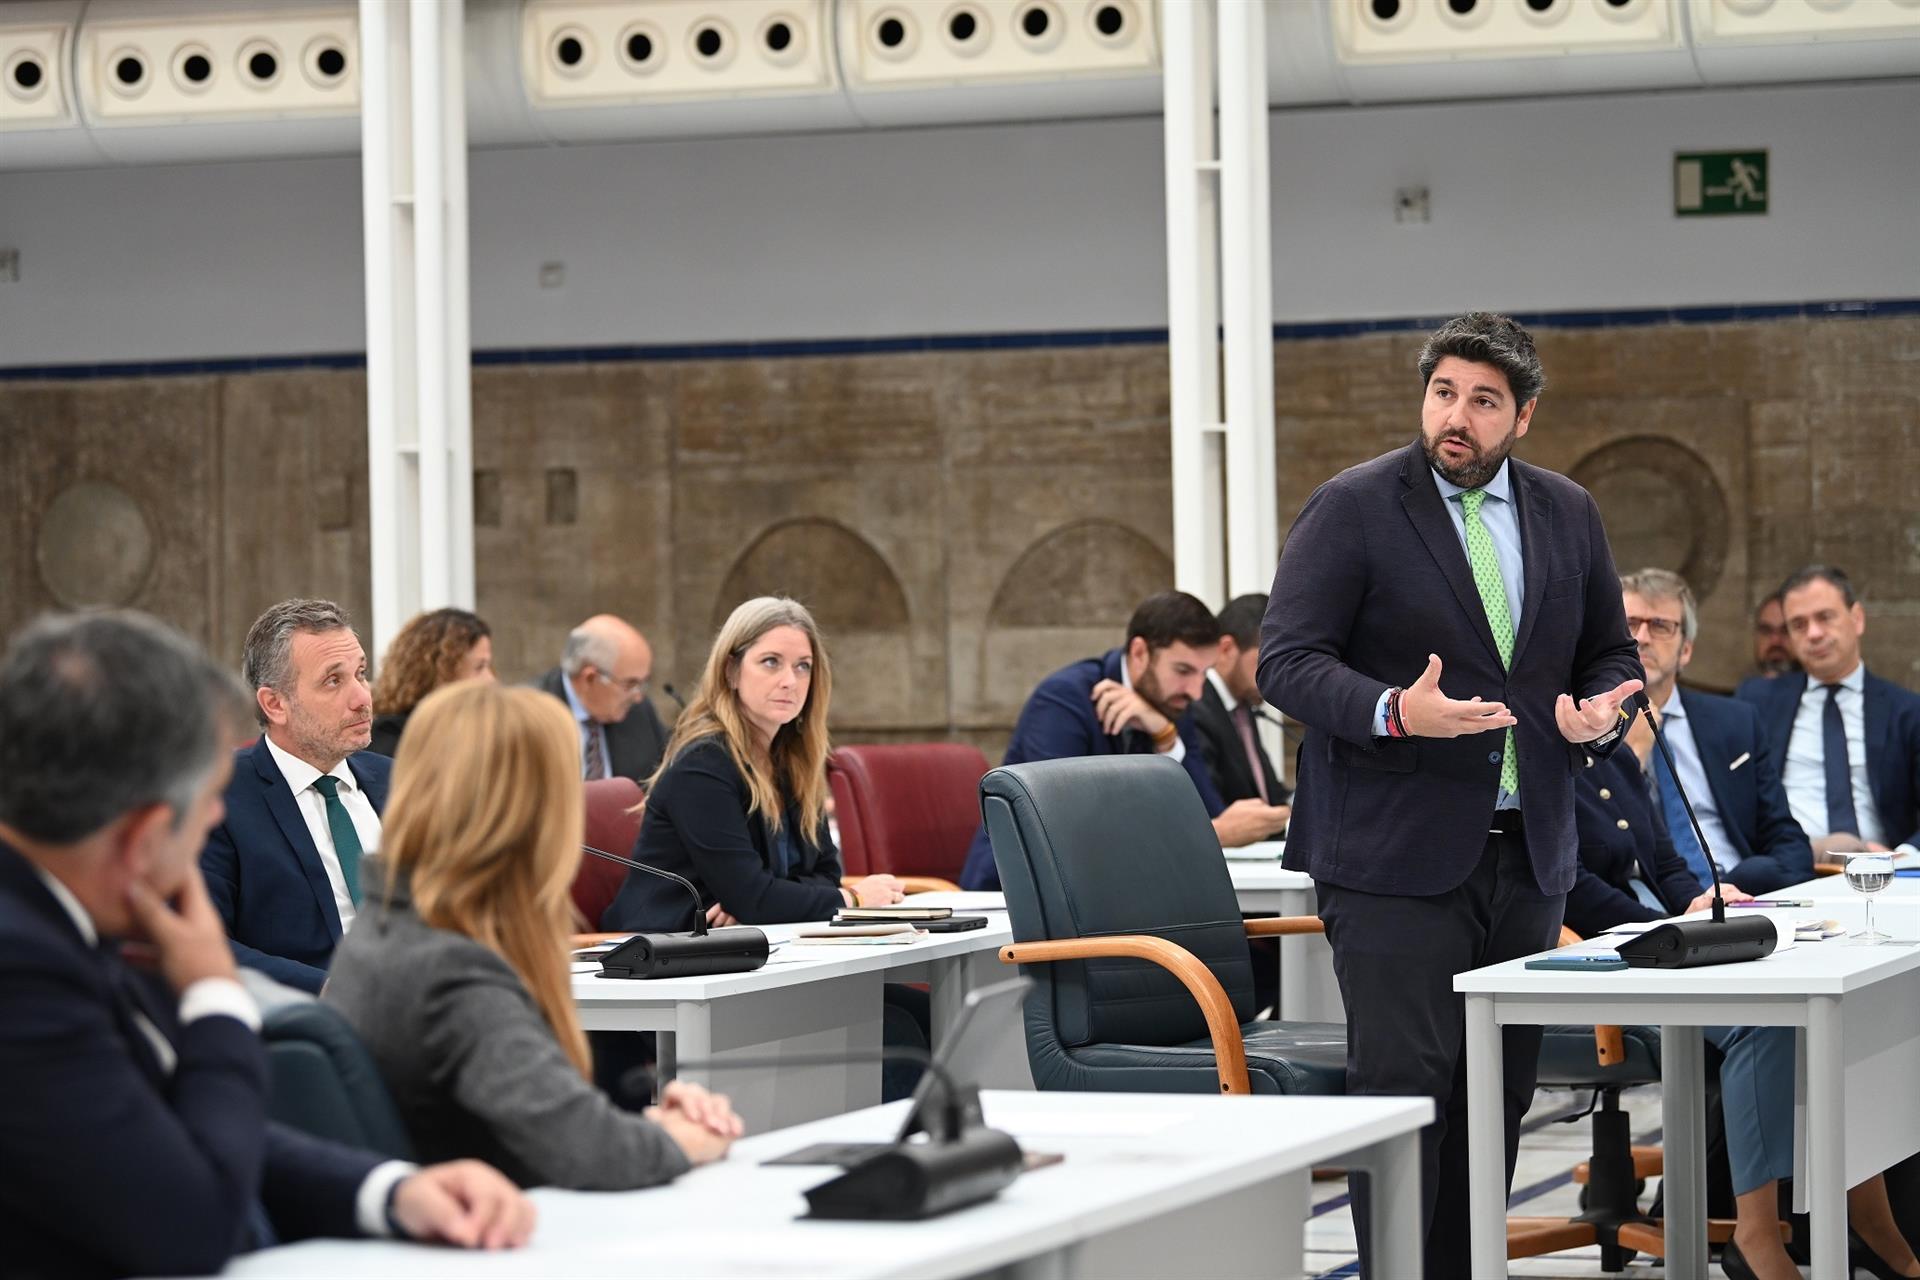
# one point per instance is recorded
(1399, 50)
(34, 93)
(1749, 41)
(609, 69)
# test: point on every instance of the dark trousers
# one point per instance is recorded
(1395, 958)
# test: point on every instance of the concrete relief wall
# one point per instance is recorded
(962, 522)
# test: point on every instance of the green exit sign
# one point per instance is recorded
(1710, 184)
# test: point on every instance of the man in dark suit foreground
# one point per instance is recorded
(1845, 741)
(1229, 711)
(304, 804)
(603, 677)
(1131, 701)
(1438, 824)
(134, 1133)
(1720, 753)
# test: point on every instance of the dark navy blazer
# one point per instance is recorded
(1893, 743)
(1373, 579)
(1609, 793)
(113, 1166)
(265, 875)
(1058, 723)
(1745, 776)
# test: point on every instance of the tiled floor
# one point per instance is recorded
(1542, 1188)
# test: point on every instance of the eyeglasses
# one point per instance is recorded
(1659, 628)
(635, 689)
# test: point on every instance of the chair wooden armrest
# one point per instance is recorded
(928, 884)
(1609, 1042)
(1229, 1052)
(595, 939)
(1283, 926)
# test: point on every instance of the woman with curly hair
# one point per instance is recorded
(435, 648)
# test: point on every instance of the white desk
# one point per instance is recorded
(1858, 1010)
(1308, 991)
(1153, 1185)
(805, 1000)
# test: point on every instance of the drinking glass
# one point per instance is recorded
(1868, 874)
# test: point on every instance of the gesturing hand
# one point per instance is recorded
(1429, 713)
(1118, 707)
(1592, 716)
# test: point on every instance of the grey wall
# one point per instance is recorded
(1537, 205)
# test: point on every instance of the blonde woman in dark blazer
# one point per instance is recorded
(456, 976)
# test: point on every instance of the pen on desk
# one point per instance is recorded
(1774, 902)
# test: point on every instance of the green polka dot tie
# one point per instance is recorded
(1493, 598)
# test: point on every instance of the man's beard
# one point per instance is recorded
(1149, 688)
(1476, 470)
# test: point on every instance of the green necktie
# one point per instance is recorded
(1493, 598)
(346, 841)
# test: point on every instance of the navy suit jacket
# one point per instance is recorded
(1774, 852)
(265, 875)
(1609, 793)
(1058, 723)
(1893, 743)
(114, 1167)
(1373, 579)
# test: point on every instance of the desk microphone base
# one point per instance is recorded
(1688, 944)
(912, 1180)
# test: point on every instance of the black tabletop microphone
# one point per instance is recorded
(1684, 944)
(696, 954)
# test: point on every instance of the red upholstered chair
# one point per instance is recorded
(609, 827)
(907, 808)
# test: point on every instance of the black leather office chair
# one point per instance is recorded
(1124, 915)
(322, 1080)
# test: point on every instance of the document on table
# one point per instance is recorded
(1258, 851)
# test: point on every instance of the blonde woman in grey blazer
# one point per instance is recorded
(456, 974)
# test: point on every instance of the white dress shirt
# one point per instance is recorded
(1691, 772)
(300, 778)
(1805, 771)
(226, 998)
(1178, 751)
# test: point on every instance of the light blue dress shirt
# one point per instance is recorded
(1804, 773)
(1502, 521)
(587, 726)
(1691, 772)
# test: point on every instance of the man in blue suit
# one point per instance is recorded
(134, 1134)
(1725, 763)
(304, 805)
(1439, 825)
(1845, 741)
(1132, 700)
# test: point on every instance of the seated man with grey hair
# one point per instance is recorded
(136, 1127)
(304, 805)
(602, 677)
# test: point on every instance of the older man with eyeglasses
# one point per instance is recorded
(603, 677)
(1720, 752)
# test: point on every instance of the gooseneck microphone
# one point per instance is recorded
(673, 693)
(699, 953)
(1685, 944)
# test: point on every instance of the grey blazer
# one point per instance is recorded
(473, 1066)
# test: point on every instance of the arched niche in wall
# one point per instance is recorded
(1663, 508)
(1066, 597)
(852, 593)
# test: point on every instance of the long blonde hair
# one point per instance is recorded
(798, 753)
(484, 821)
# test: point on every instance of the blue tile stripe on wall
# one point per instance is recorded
(511, 356)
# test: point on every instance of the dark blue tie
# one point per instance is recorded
(1833, 751)
(1684, 841)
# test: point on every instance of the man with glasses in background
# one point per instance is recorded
(603, 676)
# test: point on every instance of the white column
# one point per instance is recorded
(419, 432)
(1246, 275)
(1193, 300)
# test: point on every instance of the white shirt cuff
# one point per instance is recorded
(1178, 751)
(217, 997)
(1907, 848)
(370, 1206)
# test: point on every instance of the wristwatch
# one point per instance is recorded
(1612, 735)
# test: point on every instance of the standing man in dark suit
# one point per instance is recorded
(603, 677)
(1719, 749)
(1229, 711)
(1131, 701)
(1439, 825)
(134, 1133)
(304, 805)
(1846, 742)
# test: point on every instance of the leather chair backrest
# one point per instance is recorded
(610, 826)
(1103, 845)
(908, 808)
(322, 1080)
